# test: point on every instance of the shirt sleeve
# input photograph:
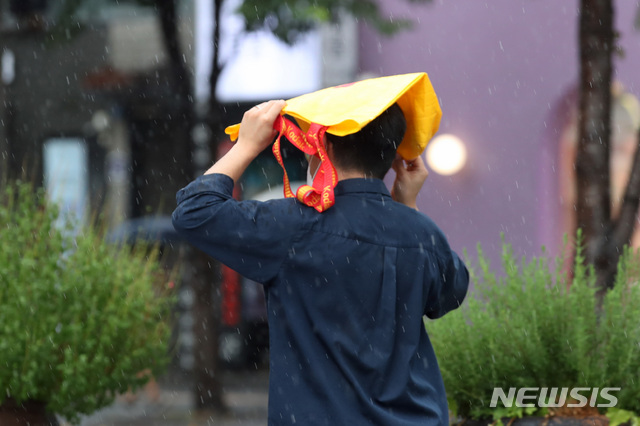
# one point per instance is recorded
(251, 237)
(452, 289)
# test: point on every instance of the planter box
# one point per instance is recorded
(543, 421)
(29, 413)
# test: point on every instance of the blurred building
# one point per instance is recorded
(88, 107)
(91, 90)
(96, 106)
(506, 73)
(98, 86)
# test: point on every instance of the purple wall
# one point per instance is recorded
(500, 69)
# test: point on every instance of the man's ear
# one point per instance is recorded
(328, 146)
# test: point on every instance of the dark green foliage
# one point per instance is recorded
(288, 19)
(529, 328)
(80, 320)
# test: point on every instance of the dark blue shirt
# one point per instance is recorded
(346, 293)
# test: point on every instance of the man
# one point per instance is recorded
(346, 288)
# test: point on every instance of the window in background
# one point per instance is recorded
(66, 177)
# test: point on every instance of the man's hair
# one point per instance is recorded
(373, 148)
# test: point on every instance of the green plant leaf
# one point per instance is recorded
(619, 416)
(526, 325)
(80, 320)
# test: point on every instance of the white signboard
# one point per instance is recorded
(66, 176)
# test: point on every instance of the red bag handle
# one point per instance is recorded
(320, 196)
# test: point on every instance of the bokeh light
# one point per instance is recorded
(446, 154)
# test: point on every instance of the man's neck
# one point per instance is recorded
(348, 174)
(343, 174)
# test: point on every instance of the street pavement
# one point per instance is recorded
(170, 403)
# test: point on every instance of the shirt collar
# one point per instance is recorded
(361, 185)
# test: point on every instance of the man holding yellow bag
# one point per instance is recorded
(348, 269)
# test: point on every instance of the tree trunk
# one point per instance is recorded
(169, 23)
(592, 161)
(182, 81)
(627, 218)
(4, 141)
(604, 237)
(4, 138)
(207, 293)
(207, 387)
(215, 109)
(206, 311)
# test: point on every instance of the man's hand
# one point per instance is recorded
(256, 128)
(256, 134)
(410, 176)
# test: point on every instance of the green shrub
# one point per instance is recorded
(528, 328)
(80, 320)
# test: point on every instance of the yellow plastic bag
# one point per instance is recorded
(348, 108)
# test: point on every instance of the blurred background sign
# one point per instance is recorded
(66, 177)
